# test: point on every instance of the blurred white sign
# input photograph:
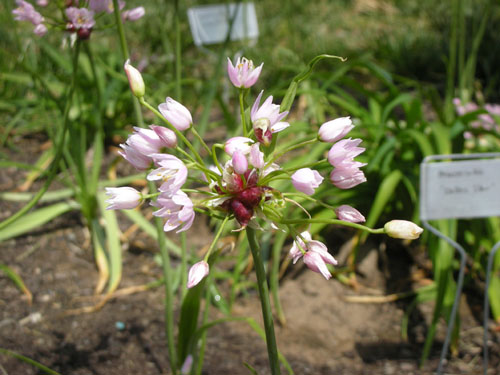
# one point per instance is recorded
(210, 24)
(460, 189)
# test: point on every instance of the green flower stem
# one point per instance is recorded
(310, 165)
(216, 238)
(59, 150)
(193, 130)
(288, 149)
(214, 157)
(123, 44)
(169, 292)
(272, 349)
(183, 288)
(242, 112)
(178, 55)
(333, 221)
(309, 198)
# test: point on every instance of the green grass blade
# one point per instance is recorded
(29, 361)
(113, 245)
(17, 280)
(384, 194)
(36, 219)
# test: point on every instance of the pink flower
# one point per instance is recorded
(135, 80)
(145, 141)
(133, 14)
(80, 18)
(238, 143)
(178, 115)
(167, 136)
(197, 273)
(177, 209)
(231, 180)
(315, 263)
(316, 254)
(105, 5)
(344, 151)
(256, 157)
(42, 3)
(266, 119)
(172, 172)
(40, 29)
(306, 180)
(347, 177)
(123, 198)
(348, 213)
(240, 163)
(243, 74)
(134, 157)
(334, 130)
(26, 12)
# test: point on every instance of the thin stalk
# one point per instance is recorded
(452, 61)
(242, 112)
(126, 55)
(333, 221)
(291, 148)
(197, 135)
(274, 276)
(169, 292)
(178, 57)
(183, 288)
(272, 349)
(60, 147)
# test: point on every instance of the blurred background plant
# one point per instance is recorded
(407, 62)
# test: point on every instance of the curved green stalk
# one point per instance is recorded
(272, 349)
(60, 147)
(242, 112)
(169, 292)
(333, 221)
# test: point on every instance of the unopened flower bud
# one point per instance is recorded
(240, 163)
(348, 213)
(306, 180)
(178, 115)
(135, 80)
(402, 229)
(196, 273)
(334, 130)
(123, 198)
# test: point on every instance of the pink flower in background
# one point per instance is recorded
(178, 115)
(123, 198)
(135, 80)
(306, 180)
(334, 130)
(266, 119)
(40, 29)
(80, 18)
(172, 172)
(243, 74)
(343, 152)
(316, 255)
(42, 3)
(26, 12)
(348, 213)
(315, 263)
(197, 272)
(347, 177)
(133, 14)
(105, 5)
(177, 209)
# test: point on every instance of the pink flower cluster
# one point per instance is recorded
(77, 18)
(241, 186)
(485, 121)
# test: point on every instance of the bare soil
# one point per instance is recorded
(325, 334)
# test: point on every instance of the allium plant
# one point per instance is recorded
(238, 183)
(77, 17)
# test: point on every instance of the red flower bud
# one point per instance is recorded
(241, 213)
(250, 197)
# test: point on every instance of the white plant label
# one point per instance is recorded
(460, 189)
(210, 24)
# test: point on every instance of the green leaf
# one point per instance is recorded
(35, 219)
(421, 140)
(384, 194)
(17, 280)
(250, 368)
(113, 245)
(29, 361)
